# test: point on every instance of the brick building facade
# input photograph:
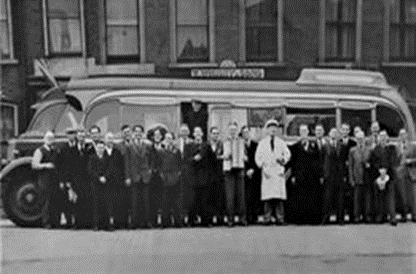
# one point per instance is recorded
(168, 38)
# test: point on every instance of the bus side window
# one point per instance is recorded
(106, 115)
(389, 120)
(311, 117)
(357, 117)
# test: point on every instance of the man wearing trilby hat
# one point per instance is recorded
(271, 156)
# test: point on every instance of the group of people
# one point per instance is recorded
(159, 180)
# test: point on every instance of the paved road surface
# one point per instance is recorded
(291, 249)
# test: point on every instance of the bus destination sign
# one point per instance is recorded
(228, 69)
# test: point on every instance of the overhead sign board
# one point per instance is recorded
(228, 69)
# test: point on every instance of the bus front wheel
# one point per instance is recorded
(23, 201)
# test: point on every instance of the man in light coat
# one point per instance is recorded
(271, 156)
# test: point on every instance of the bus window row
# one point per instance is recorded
(110, 115)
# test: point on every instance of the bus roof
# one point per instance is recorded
(360, 81)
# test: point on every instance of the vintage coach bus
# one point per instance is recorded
(329, 97)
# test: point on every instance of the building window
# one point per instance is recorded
(192, 30)
(64, 29)
(261, 28)
(402, 30)
(341, 30)
(6, 41)
(122, 31)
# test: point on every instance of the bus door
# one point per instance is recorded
(357, 114)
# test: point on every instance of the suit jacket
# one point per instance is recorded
(333, 164)
(126, 151)
(251, 155)
(116, 176)
(141, 162)
(305, 162)
(383, 158)
(202, 169)
(171, 166)
(81, 176)
(357, 159)
(344, 154)
(67, 163)
(98, 167)
(321, 153)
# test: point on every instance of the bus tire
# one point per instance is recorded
(22, 199)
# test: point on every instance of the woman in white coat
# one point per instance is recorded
(271, 156)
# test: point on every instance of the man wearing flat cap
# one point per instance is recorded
(272, 154)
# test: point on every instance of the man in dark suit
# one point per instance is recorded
(252, 178)
(202, 158)
(305, 200)
(321, 142)
(81, 183)
(126, 150)
(382, 159)
(98, 170)
(116, 183)
(67, 168)
(346, 191)
(141, 176)
(218, 187)
(170, 173)
(333, 175)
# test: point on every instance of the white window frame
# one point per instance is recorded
(211, 37)
(280, 41)
(358, 36)
(46, 30)
(386, 40)
(11, 59)
(141, 32)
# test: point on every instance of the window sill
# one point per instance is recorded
(9, 62)
(193, 65)
(261, 64)
(399, 64)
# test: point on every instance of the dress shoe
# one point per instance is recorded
(95, 228)
(393, 223)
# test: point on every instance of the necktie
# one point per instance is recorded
(272, 142)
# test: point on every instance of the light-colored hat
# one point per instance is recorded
(272, 122)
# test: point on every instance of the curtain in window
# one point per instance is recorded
(122, 28)
(261, 30)
(192, 30)
(402, 30)
(64, 26)
(340, 29)
(4, 31)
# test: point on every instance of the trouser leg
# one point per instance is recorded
(268, 210)
(400, 189)
(240, 194)
(174, 195)
(341, 204)
(279, 210)
(412, 199)
(230, 194)
(166, 208)
(391, 200)
(146, 217)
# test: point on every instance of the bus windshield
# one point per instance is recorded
(57, 117)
